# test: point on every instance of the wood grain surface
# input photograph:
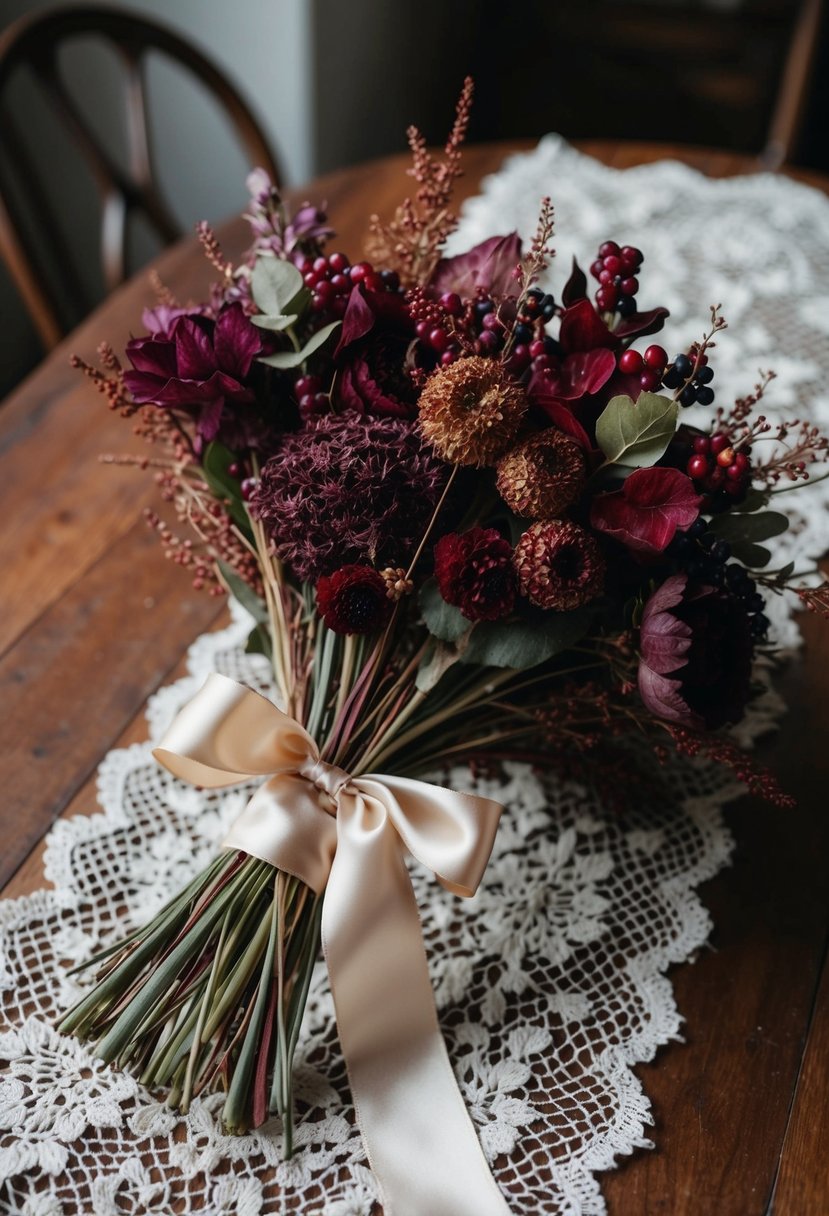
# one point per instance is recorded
(94, 619)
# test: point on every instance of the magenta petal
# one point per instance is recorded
(154, 355)
(589, 370)
(210, 419)
(646, 512)
(236, 341)
(358, 320)
(583, 329)
(145, 387)
(662, 698)
(489, 265)
(642, 323)
(194, 350)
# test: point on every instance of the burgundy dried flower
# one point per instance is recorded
(354, 599)
(474, 572)
(695, 655)
(542, 476)
(196, 365)
(371, 354)
(559, 565)
(348, 489)
(470, 411)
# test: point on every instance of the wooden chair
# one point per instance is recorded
(36, 261)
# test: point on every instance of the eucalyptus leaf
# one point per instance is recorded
(763, 525)
(437, 660)
(275, 323)
(242, 593)
(636, 433)
(522, 644)
(215, 465)
(273, 284)
(285, 359)
(443, 620)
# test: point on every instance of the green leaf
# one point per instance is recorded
(636, 433)
(763, 525)
(215, 464)
(285, 359)
(276, 324)
(754, 500)
(522, 644)
(242, 593)
(752, 556)
(259, 641)
(437, 660)
(273, 284)
(442, 620)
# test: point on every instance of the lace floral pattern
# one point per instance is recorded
(551, 982)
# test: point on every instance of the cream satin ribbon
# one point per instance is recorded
(348, 836)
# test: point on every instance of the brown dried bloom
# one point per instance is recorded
(542, 476)
(397, 585)
(559, 565)
(470, 411)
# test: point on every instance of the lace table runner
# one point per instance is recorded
(551, 982)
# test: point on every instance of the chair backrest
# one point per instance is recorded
(35, 43)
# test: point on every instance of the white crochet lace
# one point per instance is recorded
(551, 983)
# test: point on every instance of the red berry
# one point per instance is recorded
(325, 292)
(448, 356)
(702, 444)
(633, 255)
(697, 467)
(422, 329)
(338, 262)
(596, 268)
(311, 279)
(306, 402)
(438, 339)
(305, 266)
(630, 362)
(725, 457)
(740, 462)
(606, 297)
(607, 276)
(451, 302)
(373, 282)
(537, 348)
(718, 443)
(649, 380)
(734, 472)
(360, 271)
(656, 357)
(520, 356)
(321, 265)
(491, 321)
(608, 249)
(629, 287)
(612, 264)
(340, 282)
(715, 479)
(307, 384)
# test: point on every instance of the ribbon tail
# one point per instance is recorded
(420, 1140)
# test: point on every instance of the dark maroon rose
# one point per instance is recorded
(695, 655)
(371, 355)
(474, 572)
(195, 364)
(489, 267)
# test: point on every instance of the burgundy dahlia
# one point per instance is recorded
(348, 489)
(695, 655)
(354, 599)
(195, 364)
(474, 572)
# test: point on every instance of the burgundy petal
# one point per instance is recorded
(583, 329)
(646, 512)
(194, 350)
(236, 340)
(641, 323)
(588, 371)
(576, 286)
(489, 266)
(663, 698)
(154, 355)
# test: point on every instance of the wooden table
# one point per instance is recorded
(94, 619)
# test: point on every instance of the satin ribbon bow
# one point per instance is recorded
(348, 836)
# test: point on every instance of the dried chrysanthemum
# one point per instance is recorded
(559, 565)
(348, 489)
(542, 476)
(470, 411)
